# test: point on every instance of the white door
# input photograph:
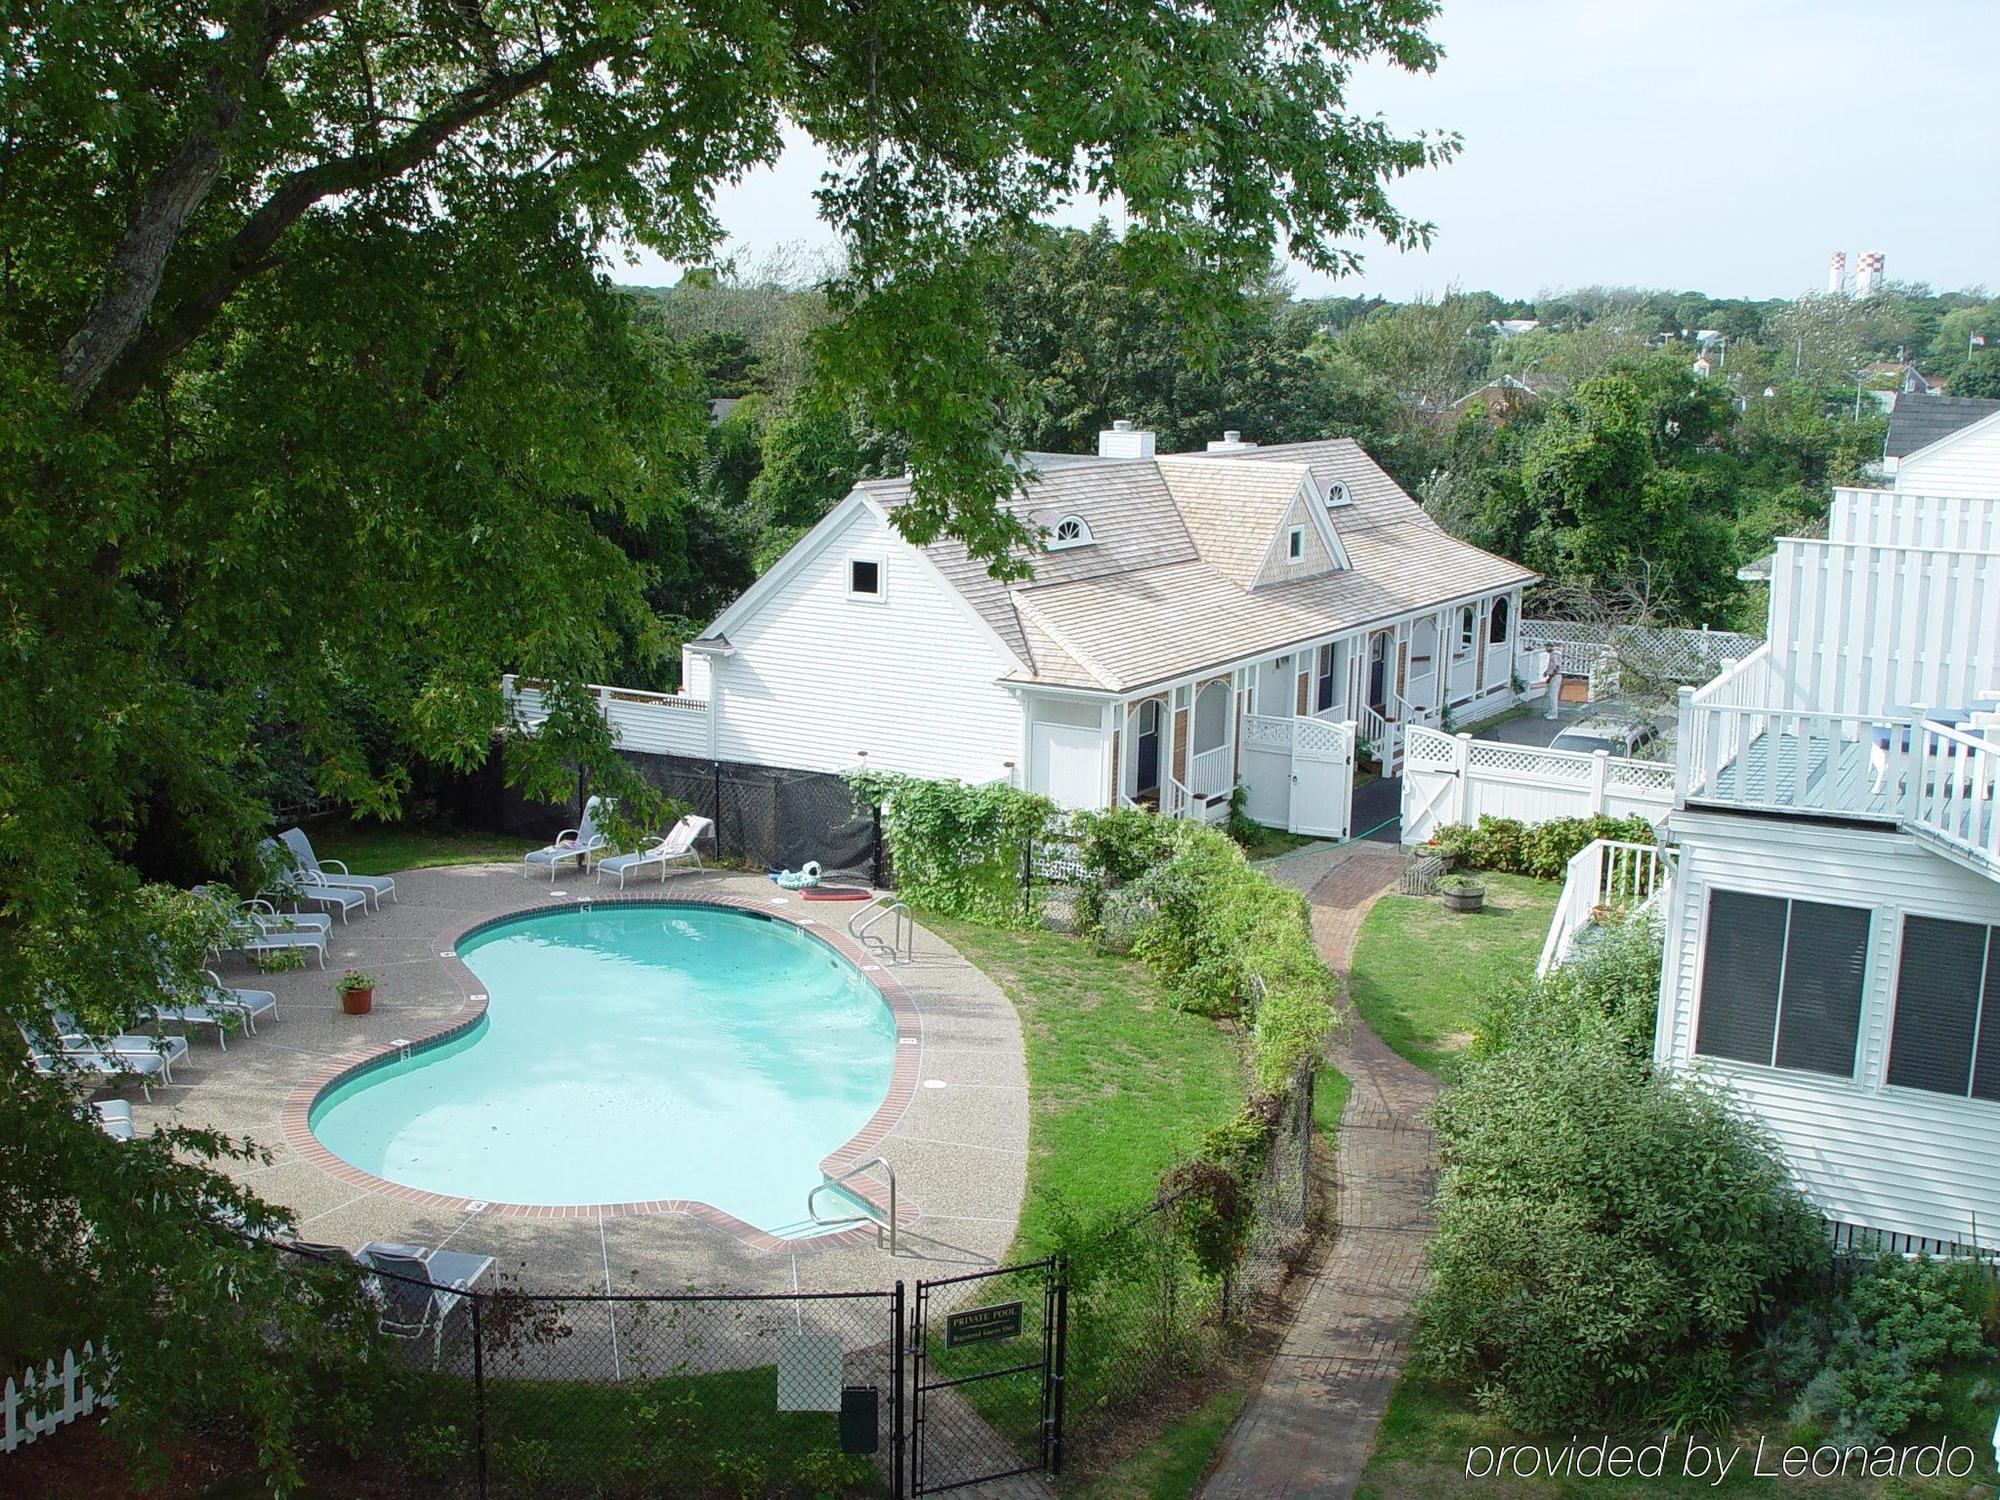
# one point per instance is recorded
(1322, 777)
(1069, 765)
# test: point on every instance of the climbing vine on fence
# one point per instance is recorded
(957, 849)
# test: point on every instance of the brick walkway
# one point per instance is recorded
(1309, 1429)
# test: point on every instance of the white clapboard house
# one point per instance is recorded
(1245, 615)
(1833, 923)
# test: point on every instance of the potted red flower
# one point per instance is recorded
(357, 992)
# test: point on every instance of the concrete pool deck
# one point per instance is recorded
(956, 1131)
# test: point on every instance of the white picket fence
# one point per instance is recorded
(41, 1401)
(1457, 779)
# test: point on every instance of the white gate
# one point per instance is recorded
(1322, 778)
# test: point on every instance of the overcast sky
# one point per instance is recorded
(1688, 144)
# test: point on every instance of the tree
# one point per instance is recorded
(312, 385)
(1979, 376)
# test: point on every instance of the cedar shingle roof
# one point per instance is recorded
(1165, 589)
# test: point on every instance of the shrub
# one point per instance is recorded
(1115, 849)
(1882, 1348)
(1606, 1236)
(957, 849)
(1610, 988)
(1542, 850)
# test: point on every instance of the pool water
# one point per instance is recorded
(628, 1053)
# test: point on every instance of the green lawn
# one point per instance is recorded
(384, 848)
(1120, 1082)
(1428, 1433)
(1259, 842)
(1329, 1101)
(1172, 1465)
(1422, 974)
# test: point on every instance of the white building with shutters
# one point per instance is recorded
(1244, 616)
(1833, 924)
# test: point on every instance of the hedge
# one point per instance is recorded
(1542, 850)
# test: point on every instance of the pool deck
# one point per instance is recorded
(955, 1124)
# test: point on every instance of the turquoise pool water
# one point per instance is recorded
(632, 1052)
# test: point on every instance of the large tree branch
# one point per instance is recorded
(250, 252)
(139, 260)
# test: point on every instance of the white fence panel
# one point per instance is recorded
(41, 1401)
(1457, 779)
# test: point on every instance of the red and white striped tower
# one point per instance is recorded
(1836, 273)
(1868, 280)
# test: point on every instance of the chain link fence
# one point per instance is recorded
(507, 1394)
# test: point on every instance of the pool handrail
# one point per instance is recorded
(870, 1214)
(902, 930)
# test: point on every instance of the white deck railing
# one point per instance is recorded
(1212, 772)
(657, 723)
(1605, 875)
(1952, 798)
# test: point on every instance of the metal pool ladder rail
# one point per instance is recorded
(871, 1213)
(902, 928)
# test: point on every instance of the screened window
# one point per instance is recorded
(1468, 626)
(1496, 627)
(864, 578)
(1781, 982)
(1946, 1036)
(1211, 716)
(1323, 694)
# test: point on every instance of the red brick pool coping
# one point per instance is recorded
(297, 1111)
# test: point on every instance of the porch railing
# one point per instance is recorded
(1952, 797)
(1604, 873)
(1212, 772)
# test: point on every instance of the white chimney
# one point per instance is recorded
(1868, 280)
(1232, 442)
(1124, 441)
(1836, 273)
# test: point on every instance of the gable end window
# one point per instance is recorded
(1946, 1034)
(864, 578)
(1295, 543)
(1781, 982)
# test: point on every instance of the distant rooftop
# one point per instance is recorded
(1918, 421)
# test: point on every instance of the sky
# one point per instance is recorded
(1696, 145)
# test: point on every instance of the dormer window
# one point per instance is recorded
(1295, 544)
(1070, 531)
(1337, 496)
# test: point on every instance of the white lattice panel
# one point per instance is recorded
(1524, 760)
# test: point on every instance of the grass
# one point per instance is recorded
(385, 848)
(1428, 1432)
(1259, 842)
(1120, 1082)
(1330, 1089)
(1422, 974)
(1172, 1465)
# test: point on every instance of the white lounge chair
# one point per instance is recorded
(677, 847)
(249, 1004)
(114, 1118)
(260, 928)
(334, 872)
(143, 1057)
(421, 1288)
(294, 883)
(578, 843)
(195, 1013)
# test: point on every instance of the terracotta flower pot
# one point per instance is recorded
(357, 1002)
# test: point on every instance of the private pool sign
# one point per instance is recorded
(982, 1325)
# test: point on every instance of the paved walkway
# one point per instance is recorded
(1309, 1429)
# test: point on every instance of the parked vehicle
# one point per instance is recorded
(1625, 735)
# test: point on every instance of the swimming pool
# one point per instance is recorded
(631, 1052)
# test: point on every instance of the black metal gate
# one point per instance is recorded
(986, 1376)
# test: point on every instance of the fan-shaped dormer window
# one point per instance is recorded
(1070, 531)
(1337, 495)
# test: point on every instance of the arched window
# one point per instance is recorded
(1496, 629)
(1070, 531)
(1468, 626)
(1211, 716)
(1336, 494)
